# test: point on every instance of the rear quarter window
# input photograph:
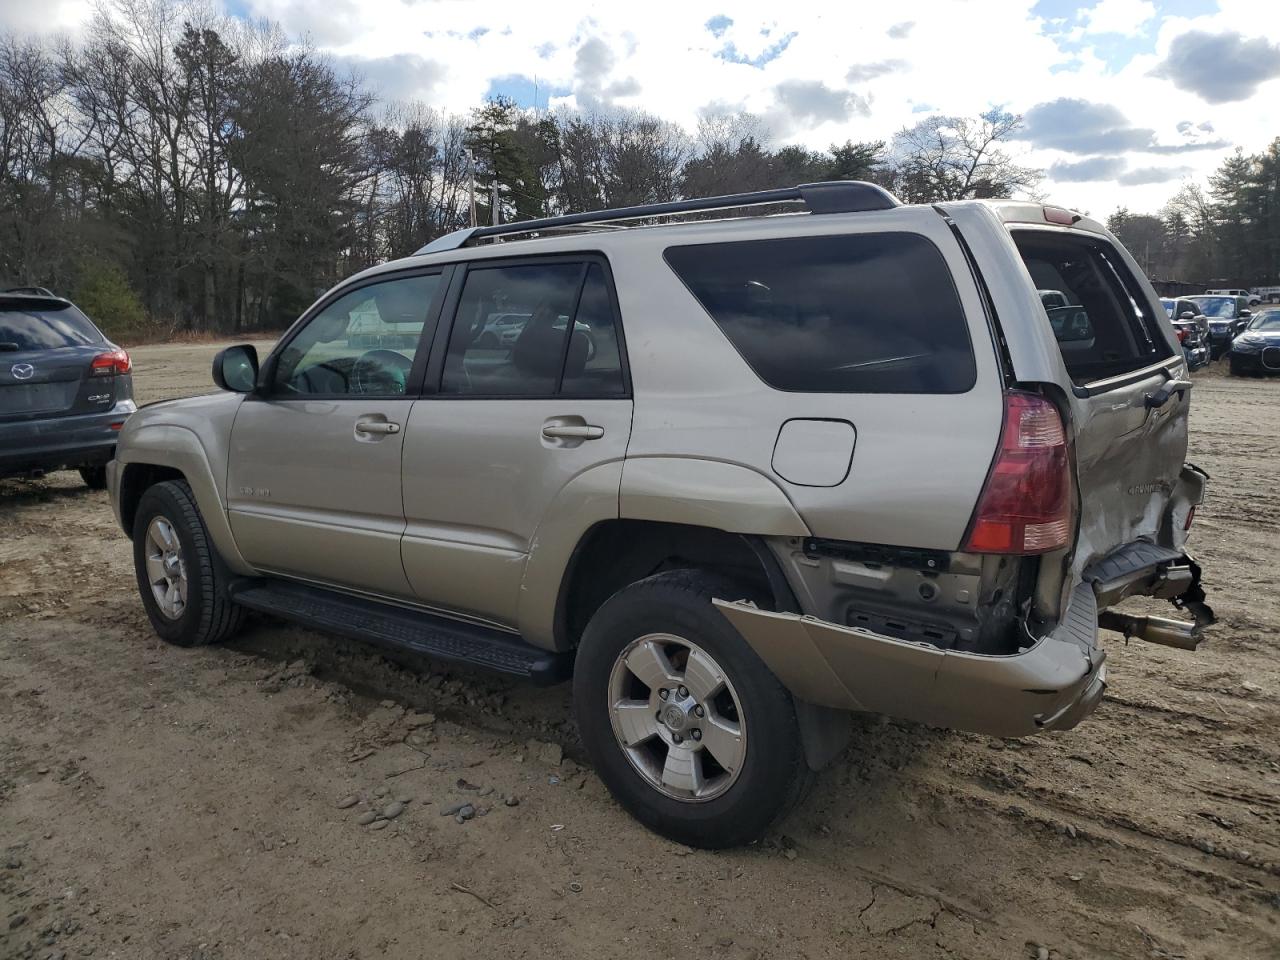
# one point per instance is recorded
(862, 313)
(1105, 328)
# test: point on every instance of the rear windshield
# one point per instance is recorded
(1104, 329)
(43, 326)
(870, 313)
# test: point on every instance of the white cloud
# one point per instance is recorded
(1119, 16)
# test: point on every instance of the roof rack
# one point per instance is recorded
(832, 196)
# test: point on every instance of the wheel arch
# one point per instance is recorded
(616, 553)
(613, 554)
(160, 452)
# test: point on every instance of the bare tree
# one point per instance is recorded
(960, 158)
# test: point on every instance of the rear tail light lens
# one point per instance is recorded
(1025, 507)
(1182, 335)
(111, 363)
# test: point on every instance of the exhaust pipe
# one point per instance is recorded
(1168, 633)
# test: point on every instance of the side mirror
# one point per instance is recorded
(236, 368)
(1186, 315)
(1246, 313)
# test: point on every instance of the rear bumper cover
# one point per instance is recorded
(1052, 685)
(60, 442)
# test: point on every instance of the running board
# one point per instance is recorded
(399, 628)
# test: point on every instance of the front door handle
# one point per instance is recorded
(376, 427)
(572, 431)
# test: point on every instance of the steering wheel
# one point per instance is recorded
(380, 372)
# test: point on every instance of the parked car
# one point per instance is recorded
(1227, 317)
(1252, 296)
(1265, 295)
(1257, 349)
(778, 469)
(65, 389)
(1192, 330)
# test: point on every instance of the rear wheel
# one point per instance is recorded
(687, 727)
(182, 580)
(95, 478)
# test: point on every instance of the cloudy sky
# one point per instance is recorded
(1123, 99)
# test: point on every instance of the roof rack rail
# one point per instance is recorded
(832, 196)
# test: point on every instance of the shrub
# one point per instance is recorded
(103, 292)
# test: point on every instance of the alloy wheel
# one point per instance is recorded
(677, 717)
(166, 568)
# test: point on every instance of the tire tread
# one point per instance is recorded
(218, 616)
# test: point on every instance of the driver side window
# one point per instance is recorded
(362, 344)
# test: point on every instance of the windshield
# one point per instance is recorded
(1267, 320)
(1223, 308)
(44, 325)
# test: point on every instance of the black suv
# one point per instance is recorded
(65, 389)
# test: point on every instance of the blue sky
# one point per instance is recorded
(1124, 99)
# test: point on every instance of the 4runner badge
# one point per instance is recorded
(1155, 486)
(255, 492)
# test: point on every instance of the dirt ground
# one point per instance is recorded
(168, 803)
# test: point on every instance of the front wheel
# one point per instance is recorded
(685, 724)
(181, 578)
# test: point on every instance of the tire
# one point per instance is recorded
(95, 478)
(1234, 368)
(206, 613)
(736, 806)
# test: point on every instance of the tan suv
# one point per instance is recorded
(738, 476)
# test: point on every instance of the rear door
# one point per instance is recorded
(1122, 362)
(47, 353)
(507, 422)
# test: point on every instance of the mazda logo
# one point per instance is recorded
(22, 371)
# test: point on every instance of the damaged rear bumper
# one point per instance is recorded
(1052, 685)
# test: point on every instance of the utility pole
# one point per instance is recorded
(471, 184)
(496, 216)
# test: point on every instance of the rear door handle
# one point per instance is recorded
(572, 431)
(376, 427)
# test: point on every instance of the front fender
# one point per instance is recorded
(189, 436)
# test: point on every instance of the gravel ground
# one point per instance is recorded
(295, 796)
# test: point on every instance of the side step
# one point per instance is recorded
(387, 625)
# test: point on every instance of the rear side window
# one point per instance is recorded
(1104, 327)
(513, 335)
(31, 326)
(867, 313)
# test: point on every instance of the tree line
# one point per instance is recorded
(175, 170)
(1225, 236)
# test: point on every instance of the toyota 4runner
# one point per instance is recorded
(739, 477)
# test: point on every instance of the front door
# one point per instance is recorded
(313, 486)
(529, 394)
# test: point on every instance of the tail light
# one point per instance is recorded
(1025, 507)
(111, 363)
(1182, 334)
